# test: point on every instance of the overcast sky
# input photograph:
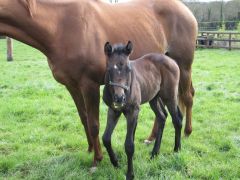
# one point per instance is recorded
(189, 0)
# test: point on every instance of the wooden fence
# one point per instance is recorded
(215, 39)
(206, 39)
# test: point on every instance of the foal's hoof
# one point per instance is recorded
(115, 164)
(153, 155)
(177, 149)
(129, 176)
(93, 169)
(147, 142)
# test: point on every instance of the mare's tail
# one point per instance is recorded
(181, 105)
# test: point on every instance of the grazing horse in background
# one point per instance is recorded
(152, 78)
(71, 34)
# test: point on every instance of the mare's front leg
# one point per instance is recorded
(91, 95)
(132, 117)
(112, 120)
(79, 102)
(161, 115)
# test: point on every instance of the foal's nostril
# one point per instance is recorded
(119, 99)
(115, 98)
(123, 98)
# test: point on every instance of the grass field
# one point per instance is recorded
(41, 136)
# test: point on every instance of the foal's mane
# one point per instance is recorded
(119, 49)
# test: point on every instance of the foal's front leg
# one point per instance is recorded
(112, 120)
(132, 117)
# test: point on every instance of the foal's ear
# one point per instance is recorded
(129, 48)
(108, 49)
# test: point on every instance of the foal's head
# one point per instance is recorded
(118, 72)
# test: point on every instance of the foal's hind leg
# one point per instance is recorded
(112, 120)
(177, 122)
(161, 115)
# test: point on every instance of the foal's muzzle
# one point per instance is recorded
(119, 101)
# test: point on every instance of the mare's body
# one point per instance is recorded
(152, 78)
(71, 34)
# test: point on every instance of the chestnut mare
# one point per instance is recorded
(71, 34)
(152, 78)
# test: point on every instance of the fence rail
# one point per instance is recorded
(216, 25)
(206, 39)
(215, 39)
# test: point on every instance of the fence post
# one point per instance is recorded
(230, 41)
(207, 40)
(9, 49)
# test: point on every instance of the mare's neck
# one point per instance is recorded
(39, 27)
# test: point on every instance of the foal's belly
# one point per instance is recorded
(148, 93)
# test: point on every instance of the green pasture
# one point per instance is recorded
(41, 136)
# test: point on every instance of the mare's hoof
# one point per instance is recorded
(96, 161)
(99, 158)
(187, 132)
(93, 169)
(147, 142)
(90, 149)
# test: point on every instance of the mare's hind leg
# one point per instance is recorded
(177, 122)
(161, 115)
(79, 102)
(186, 93)
(112, 120)
(153, 134)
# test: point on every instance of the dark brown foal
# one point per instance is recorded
(152, 78)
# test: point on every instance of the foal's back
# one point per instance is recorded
(155, 73)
